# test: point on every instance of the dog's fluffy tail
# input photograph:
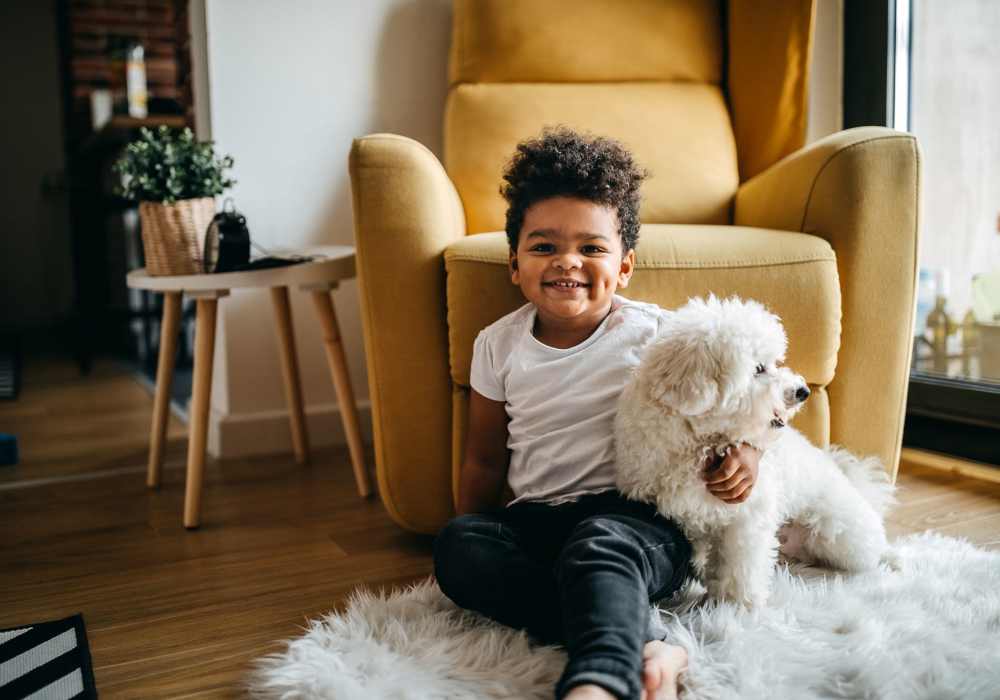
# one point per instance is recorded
(868, 476)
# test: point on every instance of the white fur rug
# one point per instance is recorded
(930, 629)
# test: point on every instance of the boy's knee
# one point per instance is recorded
(600, 528)
(599, 539)
(457, 547)
(453, 538)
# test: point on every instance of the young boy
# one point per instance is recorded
(569, 559)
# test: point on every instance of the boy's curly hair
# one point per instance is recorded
(564, 163)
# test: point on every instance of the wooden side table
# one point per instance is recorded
(319, 277)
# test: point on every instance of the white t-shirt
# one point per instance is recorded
(561, 402)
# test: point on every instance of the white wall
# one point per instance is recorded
(290, 84)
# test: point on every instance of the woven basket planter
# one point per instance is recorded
(173, 235)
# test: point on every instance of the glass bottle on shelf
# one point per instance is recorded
(940, 325)
(135, 81)
(970, 343)
(926, 289)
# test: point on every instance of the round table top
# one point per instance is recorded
(335, 264)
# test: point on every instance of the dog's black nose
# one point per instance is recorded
(802, 393)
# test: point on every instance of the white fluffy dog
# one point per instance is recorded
(713, 379)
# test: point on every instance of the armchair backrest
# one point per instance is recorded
(651, 73)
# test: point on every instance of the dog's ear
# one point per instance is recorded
(736, 367)
(679, 376)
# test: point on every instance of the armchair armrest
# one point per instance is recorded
(406, 212)
(860, 190)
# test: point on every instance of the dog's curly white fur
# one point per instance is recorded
(713, 379)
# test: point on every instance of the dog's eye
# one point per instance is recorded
(760, 369)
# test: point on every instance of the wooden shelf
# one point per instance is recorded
(120, 128)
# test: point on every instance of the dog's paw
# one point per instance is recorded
(730, 591)
(792, 542)
(756, 600)
(716, 591)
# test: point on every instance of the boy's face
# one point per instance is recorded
(569, 260)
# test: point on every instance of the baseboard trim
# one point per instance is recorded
(268, 432)
(953, 465)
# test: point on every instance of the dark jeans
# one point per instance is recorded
(580, 574)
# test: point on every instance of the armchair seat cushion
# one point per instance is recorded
(793, 274)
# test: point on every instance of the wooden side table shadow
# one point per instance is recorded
(318, 278)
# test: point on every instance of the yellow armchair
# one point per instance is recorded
(711, 98)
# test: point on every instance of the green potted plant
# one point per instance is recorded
(175, 179)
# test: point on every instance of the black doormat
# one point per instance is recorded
(48, 661)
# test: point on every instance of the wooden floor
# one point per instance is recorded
(172, 613)
(69, 425)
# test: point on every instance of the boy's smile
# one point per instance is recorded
(569, 263)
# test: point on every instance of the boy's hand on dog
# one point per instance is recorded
(731, 478)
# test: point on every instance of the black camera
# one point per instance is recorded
(227, 241)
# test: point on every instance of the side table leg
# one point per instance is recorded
(169, 327)
(204, 351)
(290, 372)
(342, 383)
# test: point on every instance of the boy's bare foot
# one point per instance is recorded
(662, 663)
(588, 691)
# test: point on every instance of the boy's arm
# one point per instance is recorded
(484, 468)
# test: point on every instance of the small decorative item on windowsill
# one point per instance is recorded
(986, 312)
(175, 179)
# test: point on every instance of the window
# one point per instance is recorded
(954, 109)
(942, 82)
